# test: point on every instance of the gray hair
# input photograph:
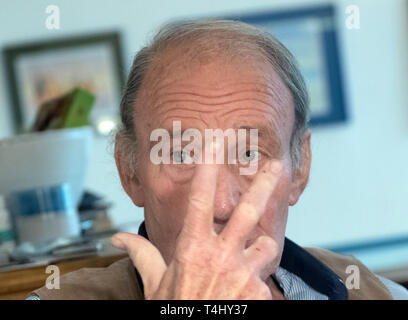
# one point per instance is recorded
(234, 35)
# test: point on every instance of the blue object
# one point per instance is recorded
(335, 110)
(54, 199)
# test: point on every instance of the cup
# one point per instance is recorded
(44, 214)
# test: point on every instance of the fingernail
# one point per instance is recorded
(275, 167)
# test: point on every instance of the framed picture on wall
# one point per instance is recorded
(40, 71)
(310, 35)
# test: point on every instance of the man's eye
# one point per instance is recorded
(179, 157)
(251, 155)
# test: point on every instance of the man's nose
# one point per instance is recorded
(227, 195)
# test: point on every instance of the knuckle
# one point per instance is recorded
(267, 243)
(224, 256)
(199, 201)
(265, 293)
(187, 257)
(259, 290)
(248, 213)
(188, 248)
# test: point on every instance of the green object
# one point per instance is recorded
(79, 103)
(68, 111)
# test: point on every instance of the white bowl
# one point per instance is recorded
(44, 159)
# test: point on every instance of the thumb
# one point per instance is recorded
(146, 258)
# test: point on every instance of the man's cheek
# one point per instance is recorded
(167, 195)
(179, 174)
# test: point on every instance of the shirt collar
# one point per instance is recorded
(318, 276)
(302, 264)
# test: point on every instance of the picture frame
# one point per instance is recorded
(42, 70)
(310, 35)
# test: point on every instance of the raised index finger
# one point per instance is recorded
(199, 218)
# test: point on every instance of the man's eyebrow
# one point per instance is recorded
(178, 132)
(263, 133)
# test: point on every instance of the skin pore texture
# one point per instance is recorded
(210, 93)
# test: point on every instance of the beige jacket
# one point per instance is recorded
(119, 281)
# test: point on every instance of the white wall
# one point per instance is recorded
(359, 180)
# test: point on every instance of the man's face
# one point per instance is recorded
(212, 95)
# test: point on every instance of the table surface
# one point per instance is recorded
(16, 282)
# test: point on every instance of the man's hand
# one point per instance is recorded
(206, 265)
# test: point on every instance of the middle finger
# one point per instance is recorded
(252, 205)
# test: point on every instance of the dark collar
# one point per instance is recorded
(298, 261)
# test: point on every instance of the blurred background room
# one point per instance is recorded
(70, 58)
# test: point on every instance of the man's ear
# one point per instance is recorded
(128, 177)
(301, 175)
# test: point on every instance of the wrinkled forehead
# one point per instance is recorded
(227, 89)
(211, 68)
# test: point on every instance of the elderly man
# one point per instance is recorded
(211, 230)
